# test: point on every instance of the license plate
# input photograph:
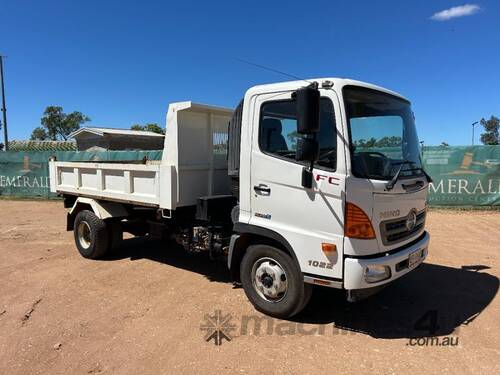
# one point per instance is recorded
(414, 258)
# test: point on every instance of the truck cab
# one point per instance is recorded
(361, 223)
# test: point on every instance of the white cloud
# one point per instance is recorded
(454, 12)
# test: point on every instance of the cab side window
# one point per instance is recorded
(278, 131)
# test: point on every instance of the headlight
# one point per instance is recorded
(377, 273)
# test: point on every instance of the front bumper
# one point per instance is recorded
(354, 268)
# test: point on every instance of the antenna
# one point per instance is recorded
(273, 70)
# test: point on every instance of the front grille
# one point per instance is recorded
(394, 231)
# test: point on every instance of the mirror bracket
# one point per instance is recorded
(307, 178)
(307, 172)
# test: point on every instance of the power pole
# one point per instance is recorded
(4, 110)
(473, 124)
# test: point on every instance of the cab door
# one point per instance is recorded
(306, 218)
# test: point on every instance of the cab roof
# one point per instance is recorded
(338, 83)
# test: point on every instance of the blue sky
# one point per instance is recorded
(122, 62)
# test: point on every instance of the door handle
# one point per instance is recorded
(261, 188)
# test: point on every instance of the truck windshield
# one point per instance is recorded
(382, 133)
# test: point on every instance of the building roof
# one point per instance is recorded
(102, 131)
(42, 146)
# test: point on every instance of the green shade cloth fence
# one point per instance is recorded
(463, 176)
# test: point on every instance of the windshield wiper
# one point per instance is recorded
(392, 182)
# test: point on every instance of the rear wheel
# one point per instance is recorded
(273, 282)
(91, 235)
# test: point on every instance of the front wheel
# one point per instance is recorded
(273, 282)
(91, 235)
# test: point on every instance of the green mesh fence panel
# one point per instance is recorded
(463, 176)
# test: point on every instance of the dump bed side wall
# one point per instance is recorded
(132, 183)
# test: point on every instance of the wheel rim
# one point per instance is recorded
(269, 280)
(84, 234)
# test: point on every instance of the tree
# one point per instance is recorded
(57, 125)
(155, 128)
(382, 142)
(490, 136)
(39, 134)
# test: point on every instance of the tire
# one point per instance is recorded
(91, 235)
(308, 291)
(264, 265)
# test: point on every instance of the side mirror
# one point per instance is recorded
(307, 149)
(308, 99)
(308, 103)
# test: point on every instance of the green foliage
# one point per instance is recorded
(39, 134)
(57, 125)
(382, 142)
(490, 136)
(155, 128)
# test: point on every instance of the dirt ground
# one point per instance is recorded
(142, 310)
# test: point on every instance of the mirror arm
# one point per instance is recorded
(311, 167)
(307, 172)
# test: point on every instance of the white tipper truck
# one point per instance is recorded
(305, 182)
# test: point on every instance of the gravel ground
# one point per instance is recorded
(142, 310)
